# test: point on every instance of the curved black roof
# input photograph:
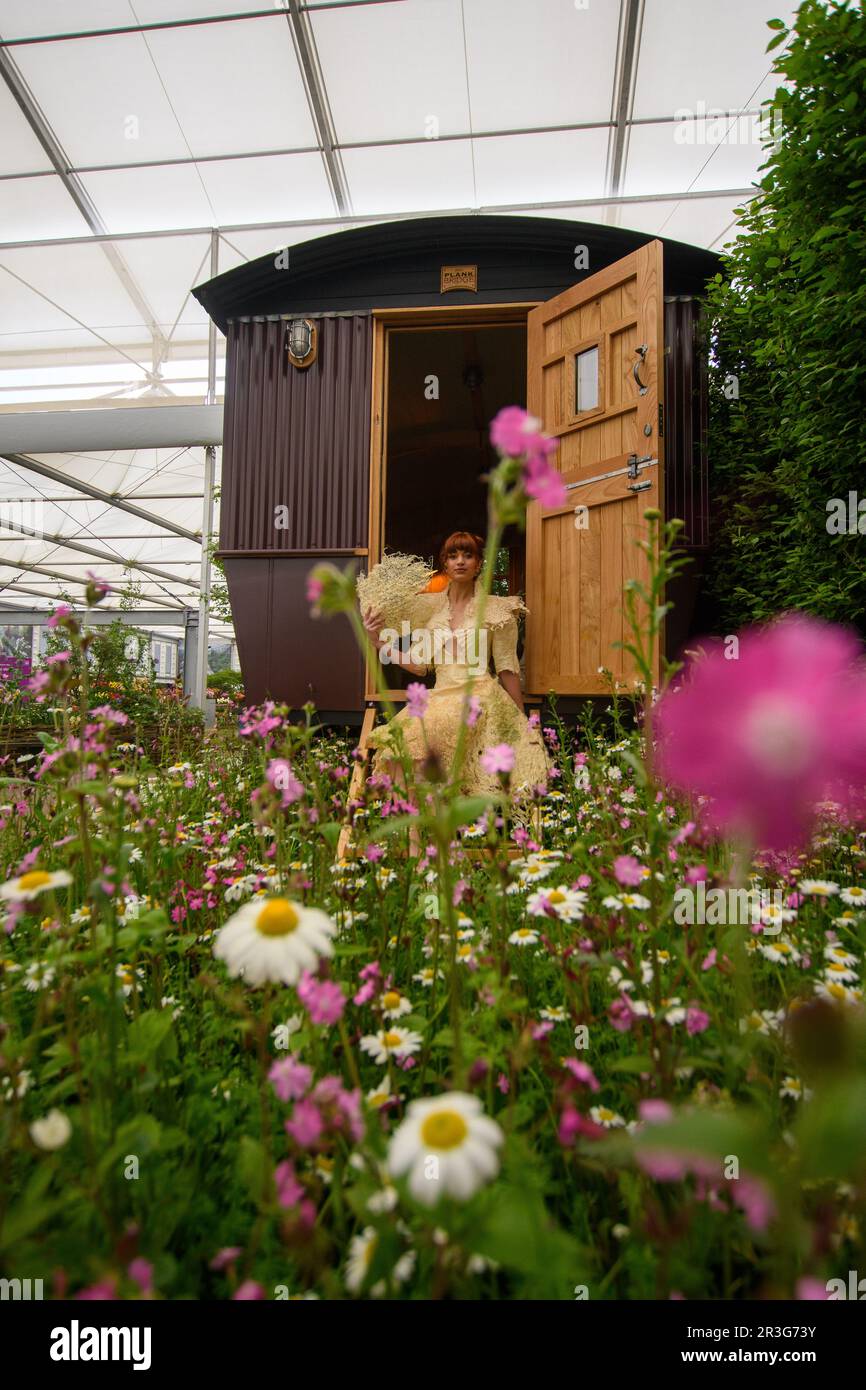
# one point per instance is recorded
(397, 263)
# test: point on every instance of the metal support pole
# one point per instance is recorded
(200, 685)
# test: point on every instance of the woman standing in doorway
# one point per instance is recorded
(443, 625)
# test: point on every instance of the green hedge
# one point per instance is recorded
(787, 344)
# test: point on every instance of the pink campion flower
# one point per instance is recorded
(499, 758)
(373, 853)
(709, 959)
(290, 1078)
(141, 1272)
(544, 484)
(663, 1165)
(503, 1084)
(755, 1200)
(306, 1124)
(62, 612)
(473, 711)
(248, 1290)
(582, 1072)
(628, 871)
(96, 588)
(696, 1020)
(283, 780)
(697, 873)
(620, 1015)
(226, 1256)
(770, 735)
(315, 589)
(289, 1190)
(514, 432)
(811, 1290)
(103, 1291)
(541, 1030)
(323, 999)
(417, 700)
(655, 1112)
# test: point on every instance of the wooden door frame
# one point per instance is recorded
(420, 318)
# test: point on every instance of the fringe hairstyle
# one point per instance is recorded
(461, 540)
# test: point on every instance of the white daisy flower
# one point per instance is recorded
(781, 951)
(361, 1251)
(567, 903)
(381, 1094)
(52, 1131)
(609, 1119)
(524, 936)
(612, 903)
(394, 1004)
(819, 887)
(773, 915)
(635, 900)
(391, 1042)
(838, 993)
(534, 870)
(31, 884)
(555, 1014)
(854, 897)
(447, 1146)
(81, 914)
(672, 1011)
(840, 956)
(766, 1022)
(425, 976)
(274, 940)
(39, 975)
(793, 1087)
(836, 970)
(383, 1201)
(17, 1089)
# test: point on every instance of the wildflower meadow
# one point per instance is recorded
(612, 1050)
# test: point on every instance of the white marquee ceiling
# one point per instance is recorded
(132, 130)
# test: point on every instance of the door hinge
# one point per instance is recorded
(661, 420)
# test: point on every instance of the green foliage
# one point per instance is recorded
(785, 337)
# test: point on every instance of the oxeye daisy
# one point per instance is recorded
(394, 1005)
(782, 952)
(840, 955)
(362, 1248)
(606, 1117)
(31, 884)
(447, 1146)
(854, 897)
(523, 936)
(555, 1014)
(635, 900)
(38, 975)
(838, 993)
(818, 887)
(836, 970)
(425, 976)
(391, 1042)
(793, 1087)
(565, 903)
(274, 940)
(773, 915)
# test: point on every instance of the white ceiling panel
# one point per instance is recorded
(408, 178)
(166, 268)
(134, 200)
(34, 208)
(268, 189)
(535, 168)
(248, 94)
(394, 71)
(81, 282)
(548, 63)
(695, 52)
(20, 151)
(674, 157)
(103, 99)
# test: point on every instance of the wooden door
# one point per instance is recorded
(595, 379)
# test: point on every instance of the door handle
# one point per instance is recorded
(641, 351)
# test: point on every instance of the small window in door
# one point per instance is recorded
(586, 380)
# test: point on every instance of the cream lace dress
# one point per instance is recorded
(457, 661)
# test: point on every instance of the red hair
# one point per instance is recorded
(461, 540)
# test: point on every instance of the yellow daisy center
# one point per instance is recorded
(837, 991)
(605, 1114)
(444, 1129)
(556, 896)
(392, 1039)
(835, 966)
(525, 931)
(277, 918)
(391, 999)
(37, 878)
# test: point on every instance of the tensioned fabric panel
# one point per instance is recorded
(296, 437)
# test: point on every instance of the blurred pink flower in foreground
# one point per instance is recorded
(769, 735)
(514, 433)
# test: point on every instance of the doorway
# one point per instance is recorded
(441, 385)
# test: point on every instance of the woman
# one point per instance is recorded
(443, 624)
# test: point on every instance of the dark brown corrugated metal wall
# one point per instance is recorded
(686, 480)
(296, 437)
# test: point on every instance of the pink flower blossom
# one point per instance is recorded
(696, 1020)
(500, 758)
(697, 873)
(770, 735)
(755, 1200)
(709, 959)
(283, 779)
(417, 700)
(62, 612)
(248, 1290)
(627, 870)
(620, 1015)
(315, 589)
(290, 1078)
(655, 1111)
(503, 1083)
(226, 1256)
(141, 1271)
(373, 853)
(582, 1072)
(306, 1124)
(811, 1290)
(103, 1291)
(473, 711)
(323, 999)
(289, 1190)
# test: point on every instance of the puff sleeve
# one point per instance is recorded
(505, 646)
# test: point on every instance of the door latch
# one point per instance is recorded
(634, 461)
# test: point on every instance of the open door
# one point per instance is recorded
(595, 379)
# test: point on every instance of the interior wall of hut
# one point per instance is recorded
(444, 387)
